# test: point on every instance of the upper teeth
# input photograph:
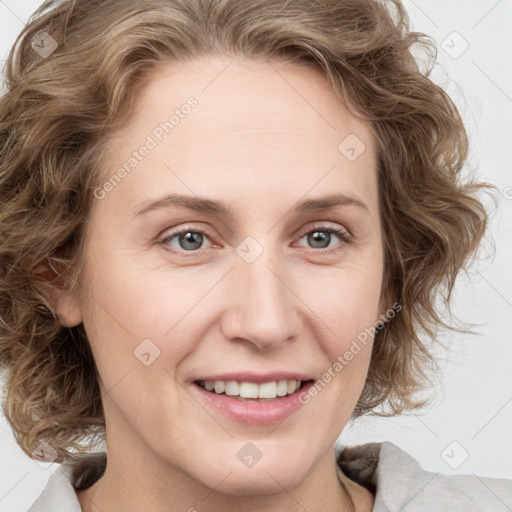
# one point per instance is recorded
(252, 389)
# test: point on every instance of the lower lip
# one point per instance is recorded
(254, 413)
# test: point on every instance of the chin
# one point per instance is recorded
(250, 482)
(266, 477)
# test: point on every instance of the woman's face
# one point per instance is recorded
(259, 291)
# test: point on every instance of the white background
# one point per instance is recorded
(472, 415)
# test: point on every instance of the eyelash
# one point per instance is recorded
(342, 234)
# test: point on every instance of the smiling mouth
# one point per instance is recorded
(252, 391)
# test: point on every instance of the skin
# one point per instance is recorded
(295, 308)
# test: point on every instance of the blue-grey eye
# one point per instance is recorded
(188, 240)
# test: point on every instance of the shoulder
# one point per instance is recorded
(399, 482)
(59, 495)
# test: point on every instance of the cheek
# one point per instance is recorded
(346, 302)
(136, 302)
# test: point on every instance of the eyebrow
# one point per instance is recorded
(222, 210)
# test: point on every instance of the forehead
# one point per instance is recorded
(256, 124)
(248, 95)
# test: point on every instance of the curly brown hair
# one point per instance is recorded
(66, 97)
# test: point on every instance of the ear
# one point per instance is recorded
(51, 284)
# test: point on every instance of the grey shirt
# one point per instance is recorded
(395, 478)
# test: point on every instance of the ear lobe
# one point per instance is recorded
(68, 311)
(66, 306)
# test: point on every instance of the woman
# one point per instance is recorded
(225, 224)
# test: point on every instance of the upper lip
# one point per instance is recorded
(255, 377)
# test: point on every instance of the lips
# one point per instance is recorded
(253, 398)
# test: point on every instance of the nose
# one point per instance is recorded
(263, 308)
